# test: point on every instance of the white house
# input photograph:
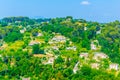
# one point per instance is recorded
(85, 28)
(93, 46)
(55, 48)
(40, 34)
(99, 55)
(84, 55)
(71, 48)
(51, 60)
(95, 65)
(0, 56)
(114, 66)
(98, 32)
(33, 43)
(23, 30)
(23, 78)
(59, 39)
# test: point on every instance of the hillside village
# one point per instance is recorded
(69, 47)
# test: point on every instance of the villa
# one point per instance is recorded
(85, 28)
(99, 55)
(59, 39)
(93, 46)
(71, 48)
(23, 30)
(84, 55)
(114, 66)
(33, 42)
(25, 78)
(51, 60)
(95, 65)
(98, 32)
(55, 48)
(39, 34)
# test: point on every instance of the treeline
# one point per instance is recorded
(22, 20)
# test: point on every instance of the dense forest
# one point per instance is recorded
(59, 49)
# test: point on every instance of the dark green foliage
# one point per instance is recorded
(37, 49)
(13, 19)
(110, 41)
(13, 36)
(59, 60)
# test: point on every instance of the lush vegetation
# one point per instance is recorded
(48, 49)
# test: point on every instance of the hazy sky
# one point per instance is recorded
(94, 10)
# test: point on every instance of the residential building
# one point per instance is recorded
(84, 55)
(71, 48)
(99, 55)
(114, 66)
(33, 42)
(95, 65)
